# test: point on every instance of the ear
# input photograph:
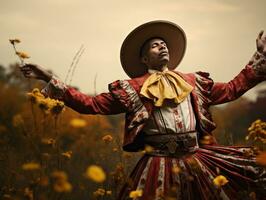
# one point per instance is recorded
(144, 59)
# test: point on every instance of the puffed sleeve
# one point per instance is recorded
(103, 103)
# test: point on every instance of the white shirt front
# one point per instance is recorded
(171, 117)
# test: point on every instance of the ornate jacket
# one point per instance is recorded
(124, 97)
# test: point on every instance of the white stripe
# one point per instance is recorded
(141, 184)
(161, 176)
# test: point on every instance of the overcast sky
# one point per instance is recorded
(221, 34)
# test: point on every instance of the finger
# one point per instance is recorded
(28, 72)
(260, 34)
(27, 65)
(26, 75)
(25, 68)
(29, 75)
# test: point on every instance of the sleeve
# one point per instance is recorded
(103, 103)
(250, 76)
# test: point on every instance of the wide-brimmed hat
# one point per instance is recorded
(171, 33)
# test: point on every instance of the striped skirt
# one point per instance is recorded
(191, 176)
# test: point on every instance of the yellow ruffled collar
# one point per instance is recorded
(165, 85)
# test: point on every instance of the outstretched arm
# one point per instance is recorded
(103, 103)
(251, 75)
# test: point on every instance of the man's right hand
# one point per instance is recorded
(36, 72)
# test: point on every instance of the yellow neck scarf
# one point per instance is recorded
(160, 86)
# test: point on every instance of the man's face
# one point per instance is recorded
(155, 54)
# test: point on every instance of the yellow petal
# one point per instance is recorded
(135, 194)
(31, 166)
(107, 138)
(78, 123)
(220, 180)
(22, 55)
(95, 173)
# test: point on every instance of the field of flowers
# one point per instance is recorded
(50, 152)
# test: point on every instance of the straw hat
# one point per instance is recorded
(171, 33)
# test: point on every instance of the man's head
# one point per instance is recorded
(154, 53)
(135, 61)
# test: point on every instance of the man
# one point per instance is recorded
(169, 111)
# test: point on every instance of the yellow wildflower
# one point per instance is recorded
(176, 169)
(48, 141)
(148, 149)
(43, 105)
(47, 105)
(99, 192)
(115, 149)
(31, 166)
(78, 123)
(35, 95)
(109, 192)
(107, 138)
(32, 98)
(59, 175)
(57, 107)
(67, 154)
(220, 180)
(62, 186)
(61, 183)
(22, 55)
(257, 131)
(261, 159)
(14, 41)
(95, 173)
(135, 194)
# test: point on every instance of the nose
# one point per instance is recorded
(162, 46)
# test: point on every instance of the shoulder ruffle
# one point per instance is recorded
(203, 82)
(136, 113)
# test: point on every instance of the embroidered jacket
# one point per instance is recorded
(124, 97)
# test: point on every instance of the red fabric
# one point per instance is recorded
(101, 104)
(195, 179)
(205, 93)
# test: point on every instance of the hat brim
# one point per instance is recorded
(172, 34)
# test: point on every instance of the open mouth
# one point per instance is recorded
(164, 53)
